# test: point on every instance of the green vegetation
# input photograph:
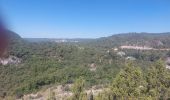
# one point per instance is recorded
(158, 40)
(48, 63)
(131, 83)
(78, 90)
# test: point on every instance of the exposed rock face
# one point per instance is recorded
(93, 67)
(61, 93)
(168, 66)
(10, 60)
(121, 53)
(168, 63)
(130, 58)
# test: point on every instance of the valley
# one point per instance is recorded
(42, 70)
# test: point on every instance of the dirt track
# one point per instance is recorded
(143, 48)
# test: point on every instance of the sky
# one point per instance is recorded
(85, 18)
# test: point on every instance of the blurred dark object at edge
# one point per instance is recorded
(4, 41)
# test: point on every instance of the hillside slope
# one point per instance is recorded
(155, 40)
(49, 63)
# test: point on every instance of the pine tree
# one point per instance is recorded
(129, 82)
(158, 80)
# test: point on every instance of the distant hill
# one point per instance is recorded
(37, 39)
(155, 40)
(57, 40)
(16, 43)
(14, 37)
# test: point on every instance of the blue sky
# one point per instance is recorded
(85, 18)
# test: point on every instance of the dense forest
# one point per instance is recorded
(137, 74)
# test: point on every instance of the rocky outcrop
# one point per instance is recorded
(130, 58)
(121, 53)
(93, 67)
(167, 62)
(61, 92)
(10, 60)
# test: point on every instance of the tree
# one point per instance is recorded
(78, 89)
(129, 82)
(158, 80)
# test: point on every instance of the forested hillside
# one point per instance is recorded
(155, 40)
(50, 63)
